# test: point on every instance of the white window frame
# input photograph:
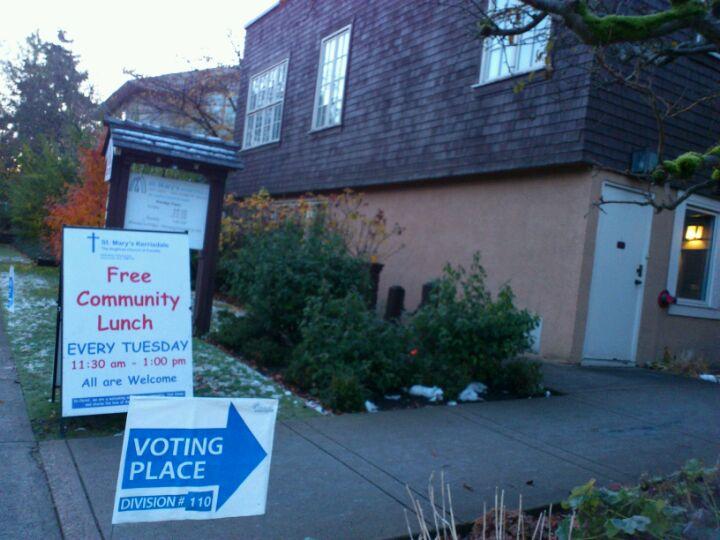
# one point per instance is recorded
(318, 81)
(686, 307)
(489, 44)
(281, 102)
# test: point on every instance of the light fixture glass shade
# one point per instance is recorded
(694, 232)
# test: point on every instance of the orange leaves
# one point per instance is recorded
(367, 235)
(83, 203)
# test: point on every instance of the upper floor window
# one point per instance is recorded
(266, 93)
(330, 89)
(510, 55)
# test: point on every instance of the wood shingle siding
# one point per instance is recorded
(413, 110)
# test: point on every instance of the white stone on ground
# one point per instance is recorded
(472, 392)
(432, 393)
(370, 406)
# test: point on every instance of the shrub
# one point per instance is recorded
(276, 272)
(347, 354)
(462, 334)
(83, 203)
(522, 378)
(40, 175)
(628, 512)
(246, 335)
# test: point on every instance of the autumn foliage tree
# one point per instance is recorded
(83, 202)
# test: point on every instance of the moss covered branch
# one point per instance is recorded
(607, 29)
(599, 29)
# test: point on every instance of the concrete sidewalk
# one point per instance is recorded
(345, 476)
(26, 509)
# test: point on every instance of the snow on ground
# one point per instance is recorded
(31, 333)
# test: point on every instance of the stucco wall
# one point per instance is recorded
(529, 229)
(658, 330)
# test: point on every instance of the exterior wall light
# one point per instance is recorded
(694, 232)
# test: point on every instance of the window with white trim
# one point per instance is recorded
(694, 273)
(330, 89)
(266, 93)
(505, 56)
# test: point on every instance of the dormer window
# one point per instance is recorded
(330, 89)
(505, 56)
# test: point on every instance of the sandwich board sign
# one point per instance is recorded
(194, 458)
(126, 318)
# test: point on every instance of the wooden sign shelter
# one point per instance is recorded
(128, 142)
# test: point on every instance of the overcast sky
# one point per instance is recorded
(148, 36)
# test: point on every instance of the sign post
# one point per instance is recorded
(170, 205)
(125, 327)
(202, 458)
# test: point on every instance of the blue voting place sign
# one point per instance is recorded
(187, 472)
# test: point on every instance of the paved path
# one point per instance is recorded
(26, 509)
(345, 476)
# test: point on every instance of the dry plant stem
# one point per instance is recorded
(431, 493)
(484, 519)
(539, 526)
(520, 519)
(407, 523)
(549, 523)
(453, 526)
(444, 529)
(497, 515)
(442, 493)
(502, 513)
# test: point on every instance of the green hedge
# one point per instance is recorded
(274, 274)
(347, 354)
(306, 302)
(462, 334)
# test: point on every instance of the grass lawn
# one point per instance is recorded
(31, 333)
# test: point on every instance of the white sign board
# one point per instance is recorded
(109, 153)
(202, 458)
(163, 204)
(126, 325)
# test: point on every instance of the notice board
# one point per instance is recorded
(155, 203)
(126, 318)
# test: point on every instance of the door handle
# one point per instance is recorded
(639, 270)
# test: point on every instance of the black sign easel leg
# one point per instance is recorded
(58, 340)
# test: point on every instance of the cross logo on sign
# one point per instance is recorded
(93, 237)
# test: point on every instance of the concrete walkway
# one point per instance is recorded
(345, 476)
(26, 509)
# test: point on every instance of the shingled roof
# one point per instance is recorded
(172, 143)
(167, 81)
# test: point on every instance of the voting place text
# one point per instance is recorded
(201, 458)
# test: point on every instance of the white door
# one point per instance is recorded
(618, 277)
